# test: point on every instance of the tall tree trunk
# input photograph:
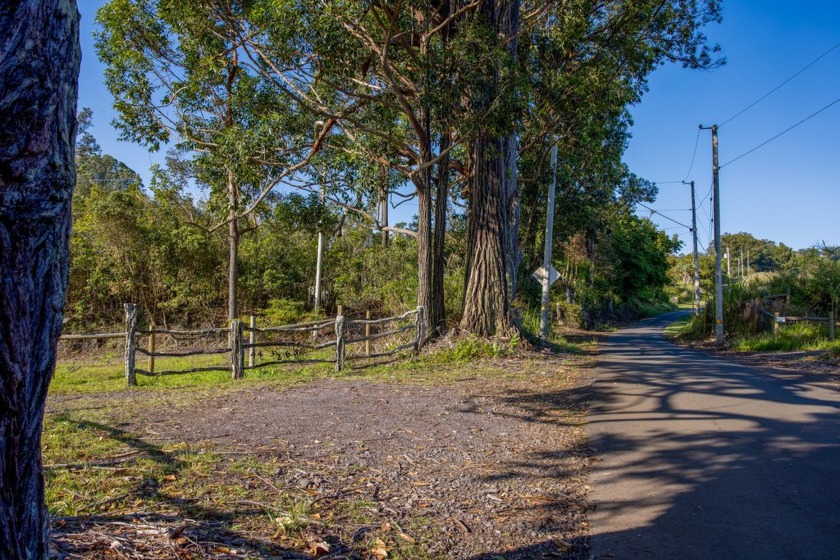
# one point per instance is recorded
(487, 291)
(39, 69)
(486, 297)
(438, 314)
(233, 246)
(425, 296)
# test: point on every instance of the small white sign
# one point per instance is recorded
(781, 319)
(539, 274)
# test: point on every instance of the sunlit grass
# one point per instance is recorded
(800, 336)
(678, 327)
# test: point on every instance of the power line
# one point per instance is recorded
(690, 166)
(812, 115)
(664, 216)
(693, 155)
(766, 95)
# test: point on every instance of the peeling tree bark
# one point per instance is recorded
(39, 69)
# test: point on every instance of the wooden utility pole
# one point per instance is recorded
(549, 235)
(696, 256)
(718, 253)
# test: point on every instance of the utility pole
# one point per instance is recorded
(696, 256)
(740, 263)
(549, 235)
(718, 255)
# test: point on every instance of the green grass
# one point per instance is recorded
(791, 337)
(96, 464)
(104, 373)
(678, 327)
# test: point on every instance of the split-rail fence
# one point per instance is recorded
(300, 343)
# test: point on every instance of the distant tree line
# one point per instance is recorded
(155, 246)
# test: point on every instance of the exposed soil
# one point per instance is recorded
(480, 468)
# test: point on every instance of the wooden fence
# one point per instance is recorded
(296, 342)
(778, 320)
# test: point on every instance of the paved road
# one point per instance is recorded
(704, 459)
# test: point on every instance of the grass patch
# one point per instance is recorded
(678, 327)
(794, 337)
(103, 374)
(99, 469)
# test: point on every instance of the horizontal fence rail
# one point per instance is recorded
(299, 343)
(778, 320)
(92, 336)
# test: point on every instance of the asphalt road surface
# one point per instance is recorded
(699, 458)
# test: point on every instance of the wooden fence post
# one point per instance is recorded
(339, 339)
(420, 331)
(151, 349)
(130, 330)
(252, 339)
(237, 356)
(775, 325)
(367, 334)
(831, 325)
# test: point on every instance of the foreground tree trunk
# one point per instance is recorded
(39, 69)
(489, 246)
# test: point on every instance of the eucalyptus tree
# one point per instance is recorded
(39, 69)
(175, 70)
(580, 78)
(386, 78)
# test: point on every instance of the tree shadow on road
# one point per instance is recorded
(735, 462)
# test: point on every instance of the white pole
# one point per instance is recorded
(549, 235)
(320, 257)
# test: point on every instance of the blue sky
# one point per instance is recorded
(787, 191)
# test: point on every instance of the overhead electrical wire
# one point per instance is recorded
(785, 131)
(772, 91)
(690, 166)
(693, 155)
(664, 216)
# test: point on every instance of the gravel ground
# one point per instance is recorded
(480, 468)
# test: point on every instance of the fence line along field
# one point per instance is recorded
(240, 348)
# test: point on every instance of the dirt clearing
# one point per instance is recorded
(485, 466)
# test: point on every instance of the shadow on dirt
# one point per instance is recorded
(190, 529)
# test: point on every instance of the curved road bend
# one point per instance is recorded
(699, 458)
